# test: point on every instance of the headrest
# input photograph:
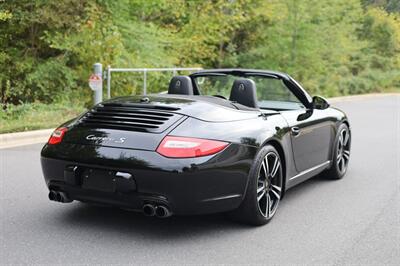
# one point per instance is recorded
(244, 92)
(180, 85)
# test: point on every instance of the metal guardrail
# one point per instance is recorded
(174, 70)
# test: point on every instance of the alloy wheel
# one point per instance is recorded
(343, 150)
(269, 184)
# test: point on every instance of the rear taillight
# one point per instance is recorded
(57, 135)
(182, 147)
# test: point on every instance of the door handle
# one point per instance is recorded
(295, 131)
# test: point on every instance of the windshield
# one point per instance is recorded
(272, 93)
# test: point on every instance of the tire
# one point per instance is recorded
(264, 189)
(341, 154)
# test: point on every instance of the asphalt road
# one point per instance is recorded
(355, 220)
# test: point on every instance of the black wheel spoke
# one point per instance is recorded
(346, 138)
(267, 170)
(268, 206)
(264, 167)
(275, 187)
(346, 154)
(261, 195)
(275, 167)
(260, 189)
(339, 160)
(340, 141)
(276, 194)
(343, 165)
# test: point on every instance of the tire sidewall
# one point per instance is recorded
(249, 206)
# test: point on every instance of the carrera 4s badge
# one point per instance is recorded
(102, 139)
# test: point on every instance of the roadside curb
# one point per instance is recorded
(10, 140)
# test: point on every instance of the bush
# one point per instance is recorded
(35, 116)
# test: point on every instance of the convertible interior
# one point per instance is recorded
(243, 93)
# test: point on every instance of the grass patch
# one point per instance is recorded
(36, 116)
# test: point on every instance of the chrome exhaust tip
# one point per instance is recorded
(148, 210)
(52, 195)
(64, 197)
(59, 196)
(162, 212)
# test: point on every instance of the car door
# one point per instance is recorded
(311, 135)
(311, 129)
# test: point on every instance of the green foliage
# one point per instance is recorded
(33, 116)
(30, 69)
(332, 47)
(4, 15)
(388, 5)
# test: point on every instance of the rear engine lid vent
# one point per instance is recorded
(131, 117)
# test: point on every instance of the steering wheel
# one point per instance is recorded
(220, 96)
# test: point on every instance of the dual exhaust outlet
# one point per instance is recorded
(59, 196)
(159, 211)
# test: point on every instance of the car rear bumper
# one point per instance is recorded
(187, 186)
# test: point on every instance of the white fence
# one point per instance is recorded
(174, 70)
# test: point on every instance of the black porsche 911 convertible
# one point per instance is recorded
(226, 140)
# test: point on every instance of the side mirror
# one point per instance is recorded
(320, 103)
(306, 115)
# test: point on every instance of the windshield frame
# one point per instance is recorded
(288, 81)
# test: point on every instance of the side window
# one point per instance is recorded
(273, 93)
